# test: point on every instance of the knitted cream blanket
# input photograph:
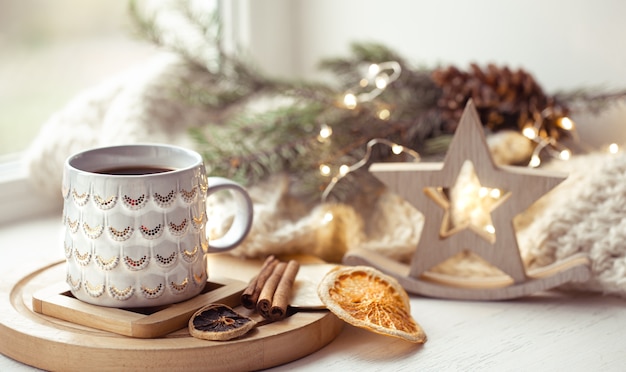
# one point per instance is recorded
(583, 214)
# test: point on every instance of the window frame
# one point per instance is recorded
(20, 199)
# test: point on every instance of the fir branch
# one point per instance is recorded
(175, 22)
(249, 147)
(348, 69)
(591, 100)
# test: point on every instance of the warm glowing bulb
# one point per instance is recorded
(566, 123)
(344, 169)
(614, 148)
(495, 193)
(350, 101)
(534, 161)
(565, 154)
(373, 70)
(381, 82)
(324, 170)
(483, 192)
(397, 149)
(363, 83)
(490, 229)
(384, 114)
(325, 131)
(328, 217)
(529, 132)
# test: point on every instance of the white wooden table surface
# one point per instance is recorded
(547, 332)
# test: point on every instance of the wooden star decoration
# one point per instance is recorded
(424, 185)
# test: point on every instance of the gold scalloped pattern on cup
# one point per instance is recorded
(165, 261)
(65, 192)
(190, 256)
(94, 290)
(72, 225)
(82, 258)
(180, 229)
(121, 294)
(109, 264)
(137, 203)
(153, 233)
(199, 279)
(153, 292)
(74, 284)
(80, 199)
(136, 264)
(92, 232)
(197, 222)
(189, 196)
(179, 287)
(204, 183)
(103, 203)
(67, 250)
(164, 201)
(121, 235)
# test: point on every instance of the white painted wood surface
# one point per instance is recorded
(547, 332)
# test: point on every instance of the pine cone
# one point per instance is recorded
(503, 98)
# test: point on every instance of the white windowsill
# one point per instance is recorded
(19, 198)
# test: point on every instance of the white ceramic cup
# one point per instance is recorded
(139, 239)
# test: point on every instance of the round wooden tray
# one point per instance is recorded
(53, 344)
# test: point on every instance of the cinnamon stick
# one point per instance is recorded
(251, 294)
(264, 304)
(280, 302)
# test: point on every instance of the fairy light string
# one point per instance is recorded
(377, 78)
(345, 169)
(534, 132)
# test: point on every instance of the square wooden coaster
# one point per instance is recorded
(57, 301)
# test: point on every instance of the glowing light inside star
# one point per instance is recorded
(471, 203)
(495, 193)
(483, 192)
(328, 217)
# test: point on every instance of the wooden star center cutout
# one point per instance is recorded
(427, 187)
(467, 205)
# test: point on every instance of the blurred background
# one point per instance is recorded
(566, 45)
(52, 50)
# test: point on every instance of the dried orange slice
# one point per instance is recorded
(219, 322)
(367, 298)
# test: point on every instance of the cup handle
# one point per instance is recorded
(243, 214)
